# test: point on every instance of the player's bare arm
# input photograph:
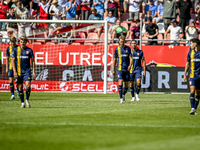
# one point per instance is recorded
(14, 68)
(144, 66)
(131, 62)
(7, 60)
(186, 70)
(114, 65)
(33, 62)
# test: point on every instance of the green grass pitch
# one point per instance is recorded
(73, 121)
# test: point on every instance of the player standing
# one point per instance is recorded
(9, 66)
(193, 62)
(124, 60)
(22, 69)
(136, 69)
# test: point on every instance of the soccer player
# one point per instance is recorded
(124, 60)
(136, 69)
(9, 66)
(22, 69)
(193, 62)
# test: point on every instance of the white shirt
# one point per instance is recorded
(191, 33)
(57, 10)
(174, 32)
(134, 7)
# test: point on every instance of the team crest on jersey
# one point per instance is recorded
(27, 52)
(126, 51)
(138, 54)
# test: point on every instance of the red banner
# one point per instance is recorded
(62, 86)
(94, 54)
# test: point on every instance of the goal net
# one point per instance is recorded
(70, 55)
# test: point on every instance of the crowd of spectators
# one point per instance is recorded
(180, 18)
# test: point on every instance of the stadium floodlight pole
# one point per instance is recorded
(140, 33)
(106, 57)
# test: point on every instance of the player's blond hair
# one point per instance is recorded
(23, 38)
(122, 37)
(13, 39)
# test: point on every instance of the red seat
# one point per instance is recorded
(76, 44)
(144, 38)
(124, 17)
(92, 36)
(160, 37)
(103, 37)
(168, 38)
(37, 43)
(50, 43)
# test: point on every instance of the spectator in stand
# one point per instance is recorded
(176, 33)
(62, 3)
(4, 9)
(113, 6)
(148, 15)
(78, 9)
(43, 13)
(33, 15)
(197, 10)
(24, 29)
(56, 11)
(119, 30)
(106, 8)
(71, 11)
(85, 9)
(95, 16)
(151, 7)
(160, 13)
(134, 32)
(191, 31)
(126, 6)
(151, 32)
(12, 26)
(99, 6)
(134, 8)
(169, 12)
(111, 21)
(15, 4)
(184, 9)
(155, 2)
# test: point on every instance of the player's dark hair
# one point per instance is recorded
(133, 41)
(137, 21)
(195, 40)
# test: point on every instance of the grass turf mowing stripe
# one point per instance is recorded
(108, 125)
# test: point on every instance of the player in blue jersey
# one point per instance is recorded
(124, 60)
(136, 70)
(9, 66)
(193, 62)
(22, 69)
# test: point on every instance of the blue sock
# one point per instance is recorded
(120, 91)
(138, 89)
(196, 102)
(125, 90)
(192, 100)
(21, 95)
(132, 91)
(28, 92)
(12, 88)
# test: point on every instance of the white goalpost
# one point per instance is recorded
(44, 54)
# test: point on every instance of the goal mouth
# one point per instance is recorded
(70, 55)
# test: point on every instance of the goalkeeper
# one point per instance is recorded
(124, 60)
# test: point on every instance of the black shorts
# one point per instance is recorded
(78, 12)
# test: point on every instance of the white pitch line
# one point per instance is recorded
(101, 125)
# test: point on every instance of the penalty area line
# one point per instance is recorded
(101, 125)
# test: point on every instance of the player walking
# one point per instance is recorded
(124, 60)
(9, 66)
(136, 69)
(22, 69)
(193, 62)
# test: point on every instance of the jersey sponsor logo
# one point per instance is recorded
(135, 57)
(195, 60)
(23, 57)
(123, 55)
